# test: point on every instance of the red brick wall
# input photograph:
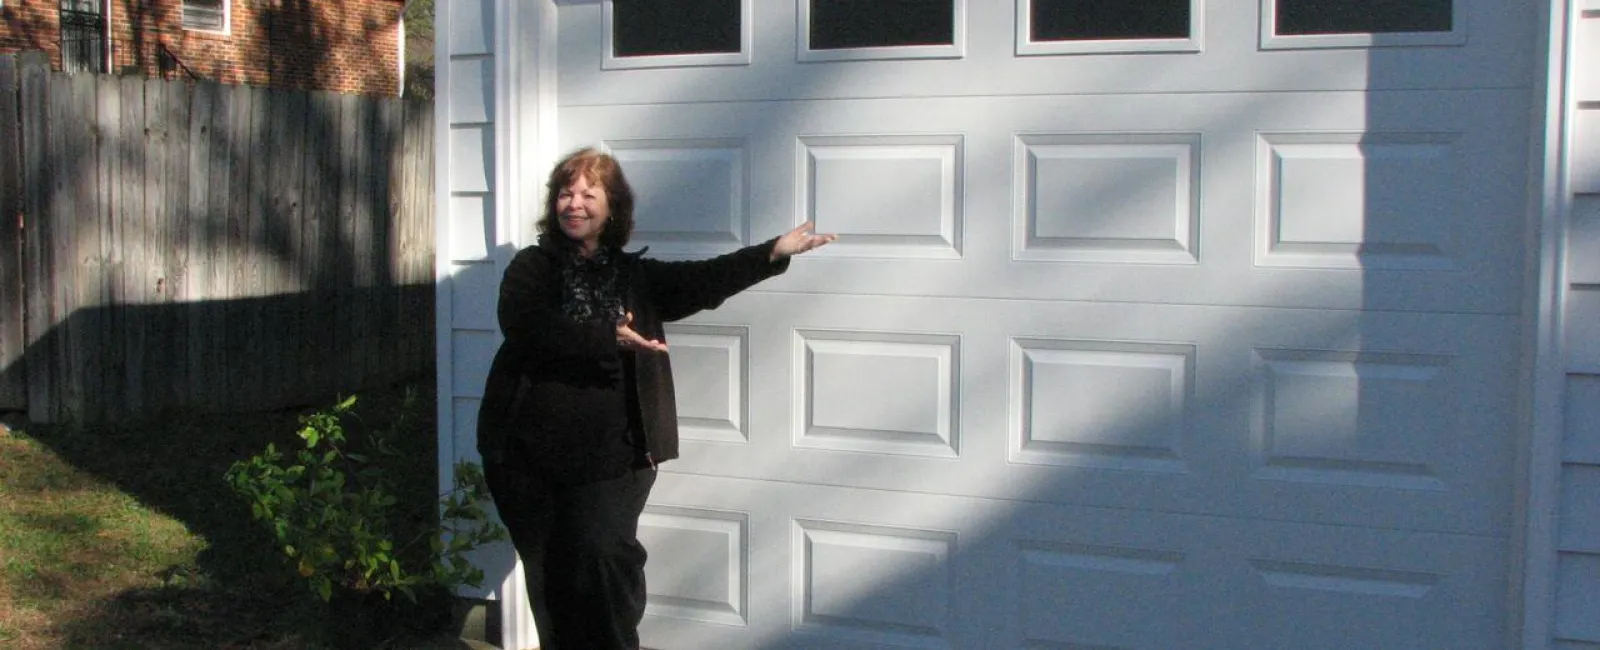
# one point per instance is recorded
(28, 25)
(349, 46)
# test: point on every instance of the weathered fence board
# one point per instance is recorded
(128, 211)
(37, 262)
(206, 247)
(13, 369)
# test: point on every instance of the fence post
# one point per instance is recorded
(13, 367)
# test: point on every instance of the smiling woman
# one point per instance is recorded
(579, 408)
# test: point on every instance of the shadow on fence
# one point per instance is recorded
(206, 247)
(229, 356)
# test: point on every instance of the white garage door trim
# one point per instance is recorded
(1552, 169)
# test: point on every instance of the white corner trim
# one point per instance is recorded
(502, 181)
(1538, 504)
(442, 179)
(515, 610)
(532, 111)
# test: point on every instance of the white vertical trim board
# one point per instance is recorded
(442, 178)
(1542, 467)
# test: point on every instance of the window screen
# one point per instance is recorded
(1097, 20)
(656, 28)
(1311, 17)
(210, 15)
(845, 24)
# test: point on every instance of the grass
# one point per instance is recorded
(124, 537)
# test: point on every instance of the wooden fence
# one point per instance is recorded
(193, 246)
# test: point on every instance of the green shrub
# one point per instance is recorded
(331, 508)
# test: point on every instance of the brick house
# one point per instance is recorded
(351, 46)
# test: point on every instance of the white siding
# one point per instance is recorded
(1578, 583)
(466, 230)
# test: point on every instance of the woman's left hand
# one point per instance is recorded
(799, 240)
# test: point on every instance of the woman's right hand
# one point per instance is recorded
(628, 339)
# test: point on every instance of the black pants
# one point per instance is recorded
(581, 555)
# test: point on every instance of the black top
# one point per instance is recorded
(562, 399)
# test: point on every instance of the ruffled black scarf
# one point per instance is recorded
(591, 288)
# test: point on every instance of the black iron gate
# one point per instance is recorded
(83, 36)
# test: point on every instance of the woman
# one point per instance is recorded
(578, 409)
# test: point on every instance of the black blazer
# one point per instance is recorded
(538, 335)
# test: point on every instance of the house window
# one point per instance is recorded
(1288, 24)
(206, 15)
(1307, 17)
(832, 30)
(655, 34)
(1088, 26)
(83, 36)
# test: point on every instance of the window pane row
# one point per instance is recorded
(652, 28)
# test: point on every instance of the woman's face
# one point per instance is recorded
(583, 210)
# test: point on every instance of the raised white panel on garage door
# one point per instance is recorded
(711, 368)
(693, 189)
(1065, 213)
(885, 196)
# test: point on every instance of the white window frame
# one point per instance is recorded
(1194, 43)
(609, 60)
(955, 50)
(227, 19)
(1271, 40)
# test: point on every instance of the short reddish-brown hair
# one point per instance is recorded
(599, 168)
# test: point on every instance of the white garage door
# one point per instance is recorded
(1152, 325)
